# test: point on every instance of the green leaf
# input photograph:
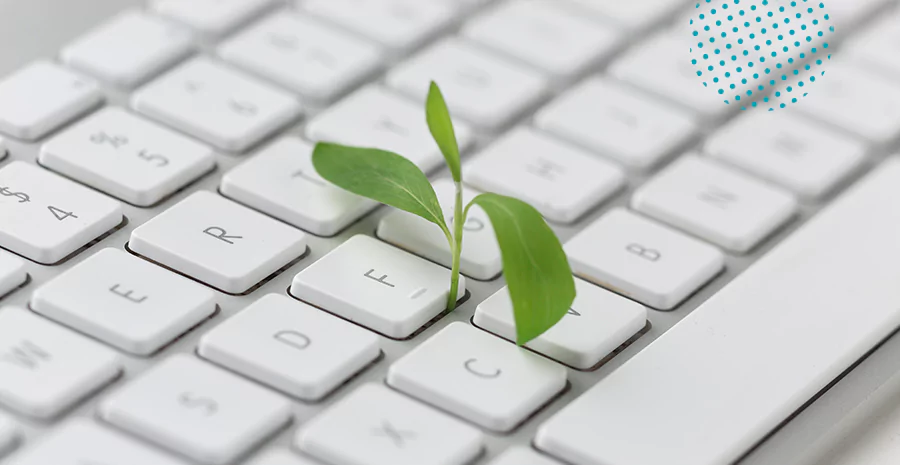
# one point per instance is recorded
(379, 175)
(441, 127)
(537, 271)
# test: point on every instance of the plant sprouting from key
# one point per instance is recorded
(536, 269)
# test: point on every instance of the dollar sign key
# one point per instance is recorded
(23, 197)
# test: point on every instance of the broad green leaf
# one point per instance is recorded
(441, 127)
(537, 271)
(379, 175)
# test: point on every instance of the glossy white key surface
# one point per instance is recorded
(715, 203)
(870, 108)
(374, 425)
(633, 15)
(847, 14)
(45, 368)
(806, 158)
(755, 352)
(282, 182)
(480, 258)
(84, 442)
(377, 286)
(41, 97)
(9, 434)
(642, 259)
(12, 272)
(291, 346)
(874, 45)
(673, 77)
(128, 48)
(220, 105)
(127, 156)
(218, 242)
(196, 410)
(522, 456)
(397, 24)
(303, 54)
(124, 301)
(280, 457)
(617, 122)
(597, 323)
(478, 376)
(210, 17)
(377, 117)
(46, 217)
(560, 180)
(480, 86)
(544, 34)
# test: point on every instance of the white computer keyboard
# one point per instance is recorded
(178, 286)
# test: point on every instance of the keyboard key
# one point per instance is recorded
(12, 273)
(720, 205)
(9, 434)
(375, 425)
(281, 181)
(128, 49)
(4, 151)
(45, 369)
(849, 14)
(42, 97)
(377, 286)
(757, 351)
(374, 117)
(673, 76)
(544, 34)
(874, 45)
(598, 323)
(803, 157)
(480, 257)
(562, 182)
(197, 410)
(633, 15)
(522, 456)
(224, 107)
(397, 24)
(124, 301)
(477, 376)
(46, 217)
(83, 442)
(304, 55)
(127, 157)
(218, 242)
(862, 102)
(210, 17)
(291, 346)
(642, 259)
(483, 88)
(280, 457)
(618, 122)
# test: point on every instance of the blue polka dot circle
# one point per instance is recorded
(760, 53)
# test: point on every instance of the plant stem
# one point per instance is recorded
(459, 220)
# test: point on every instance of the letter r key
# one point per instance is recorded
(218, 242)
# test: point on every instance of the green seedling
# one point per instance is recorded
(535, 266)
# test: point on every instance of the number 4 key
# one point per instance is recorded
(58, 218)
(60, 214)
